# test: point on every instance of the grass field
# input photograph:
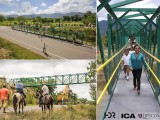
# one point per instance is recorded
(79, 112)
(9, 50)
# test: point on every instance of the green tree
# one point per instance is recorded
(89, 17)
(2, 18)
(10, 18)
(21, 19)
(92, 78)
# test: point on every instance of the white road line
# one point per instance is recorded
(33, 47)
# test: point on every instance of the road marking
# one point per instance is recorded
(33, 47)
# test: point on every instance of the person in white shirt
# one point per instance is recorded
(131, 51)
(125, 62)
(45, 90)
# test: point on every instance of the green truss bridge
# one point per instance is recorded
(118, 96)
(79, 78)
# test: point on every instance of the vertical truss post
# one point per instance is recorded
(158, 45)
(99, 43)
(116, 41)
(109, 46)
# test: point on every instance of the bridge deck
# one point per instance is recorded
(126, 100)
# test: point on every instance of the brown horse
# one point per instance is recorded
(17, 102)
(47, 100)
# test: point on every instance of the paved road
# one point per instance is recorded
(28, 108)
(56, 49)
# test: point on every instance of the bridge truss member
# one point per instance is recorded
(135, 63)
(4, 97)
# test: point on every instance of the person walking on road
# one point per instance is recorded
(125, 62)
(135, 63)
(44, 48)
(4, 97)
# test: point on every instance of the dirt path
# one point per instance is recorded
(28, 108)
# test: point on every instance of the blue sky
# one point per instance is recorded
(26, 7)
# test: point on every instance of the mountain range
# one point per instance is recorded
(53, 15)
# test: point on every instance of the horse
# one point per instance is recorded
(46, 101)
(17, 102)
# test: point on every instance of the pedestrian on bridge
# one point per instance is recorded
(4, 97)
(135, 63)
(125, 62)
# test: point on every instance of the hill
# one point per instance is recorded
(54, 15)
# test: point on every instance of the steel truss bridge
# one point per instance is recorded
(79, 78)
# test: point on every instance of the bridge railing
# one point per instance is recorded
(113, 69)
(152, 63)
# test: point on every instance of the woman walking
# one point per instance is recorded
(135, 63)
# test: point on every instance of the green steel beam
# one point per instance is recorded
(158, 45)
(79, 78)
(103, 4)
(100, 45)
(135, 9)
(111, 12)
(153, 17)
(126, 2)
(121, 17)
(142, 25)
(141, 20)
(146, 17)
(137, 15)
(125, 24)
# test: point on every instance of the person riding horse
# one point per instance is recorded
(19, 89)
(45, 91)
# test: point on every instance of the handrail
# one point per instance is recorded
(104, 64)
(153, 74)
(149, 54)
(100, 97)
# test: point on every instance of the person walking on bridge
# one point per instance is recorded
(135, 63)
(125, 62)
(4, 97)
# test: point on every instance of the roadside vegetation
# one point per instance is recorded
(9, 50)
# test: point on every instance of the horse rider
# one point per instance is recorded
(45, 91)
(4, 97)
(19, 88)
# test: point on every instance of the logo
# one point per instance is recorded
(110, 115)
(140, 115)
(127, 115)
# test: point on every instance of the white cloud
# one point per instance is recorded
(62, 6)
(6, 1)
(16, 69)
(43, 4)
(66, 6)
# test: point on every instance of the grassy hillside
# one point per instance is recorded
(79, 112)
(9, 50)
